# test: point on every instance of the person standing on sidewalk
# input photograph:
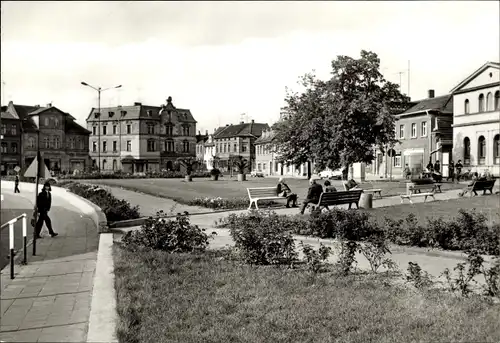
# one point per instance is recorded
(44, 203)
(459, 167)
(451, 171)
(16, 185)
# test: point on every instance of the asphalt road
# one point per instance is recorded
(12, 206)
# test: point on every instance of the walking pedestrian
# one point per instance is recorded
(44, 203)
(16, 185)
(451, 171)
(458, 168)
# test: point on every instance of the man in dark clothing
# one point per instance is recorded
(437, 167)
(430, 167)
(44, 202)
(459, 167)
(16, 185)
(451, 172)
(313, 195)
(282, 190)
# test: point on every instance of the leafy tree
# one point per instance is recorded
(338, 122)
(240, 163)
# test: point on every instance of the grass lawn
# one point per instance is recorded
(182, 192)
(446, 209)
(186, 298)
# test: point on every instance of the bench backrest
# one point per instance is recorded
(338, 198)
(411, 187)
(487, 184)
(262, 192)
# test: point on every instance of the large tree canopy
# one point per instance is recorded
(339, 121)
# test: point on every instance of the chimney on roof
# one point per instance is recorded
(49, 104)
(431, 93)
(227, 125)
(199, 133)
(37, 106)
(137, 104)
(242, 122)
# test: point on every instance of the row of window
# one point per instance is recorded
(226, 147)
(263, 149)
(54, 142)
(169, 130)
(13, 148)
(481, 106)
(168, 146)
(482, 150)
(13, 129)
(414, 134)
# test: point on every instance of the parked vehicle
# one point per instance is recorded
(256, 173)
(331, 174)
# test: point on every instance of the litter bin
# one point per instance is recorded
(366, 200)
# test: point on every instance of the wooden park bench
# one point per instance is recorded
(481, 185)
(338, 198)
(262, 193)
(413, 191)
(371, 190)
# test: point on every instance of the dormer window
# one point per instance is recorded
(123, 113)
(150, 113)
(97, 115)
(111, 114)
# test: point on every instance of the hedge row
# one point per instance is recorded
(467, 231)
(123, 175)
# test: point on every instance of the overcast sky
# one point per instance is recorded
(221, 59)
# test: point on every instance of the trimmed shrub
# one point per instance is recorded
(113, 208)
(219, 203)
(262, 240)
(122, 175)
(172, 236)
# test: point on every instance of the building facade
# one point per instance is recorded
(63, 143)
(476, 121)
(141, 138)
(10, 142)
(237, 140)
(200, 148)
(267, 160)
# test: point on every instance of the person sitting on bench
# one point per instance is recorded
(329, 188)
(475, 177)
(282, 190)
(313, 195)
(351, 185)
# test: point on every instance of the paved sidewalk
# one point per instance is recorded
(49, 300)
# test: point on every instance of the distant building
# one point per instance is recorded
(209, 156)
(63, 143)
(141, 138)
(267, 159)
(10, 142)
(200, 147)
(476, 121)
(425, 134)
(237, 140)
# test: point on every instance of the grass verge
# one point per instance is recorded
(204, 298)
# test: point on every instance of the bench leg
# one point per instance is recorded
(357, 206)
(350, 205)
(425, 198)
(411, 202)
(380, 195)
(475, 193)
(433, 198)
(250, 207)
(256, 206)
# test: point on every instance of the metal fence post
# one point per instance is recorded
(11, 246)
(25, 240)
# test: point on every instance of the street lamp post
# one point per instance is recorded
(39, 169)
(99, 91)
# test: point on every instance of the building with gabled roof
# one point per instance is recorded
(476, 121)
(63, 142)
(140, 138)
(237, 140)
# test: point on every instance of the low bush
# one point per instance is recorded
(172, 236)
(218, 203)
(418, 277)
(114, 209)
(122, 175)
(468, 230)
(262, 240)
(315, 258)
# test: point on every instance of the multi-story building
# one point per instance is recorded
(141, 138)
(10, 142)
(237, 140)
(424, 133)
(63, 143)
(200, 148)
(476, 121)
(267, 159)
(209, 156)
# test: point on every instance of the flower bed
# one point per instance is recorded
(113, 208)
(219, 203)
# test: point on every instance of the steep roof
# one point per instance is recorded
(74, 127)
(475, 74)
(443, 104)
(201, 138)
(241, 130)
(132, 112)
(267, 137)
(7, 115)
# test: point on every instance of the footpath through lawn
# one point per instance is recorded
(208, 298)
